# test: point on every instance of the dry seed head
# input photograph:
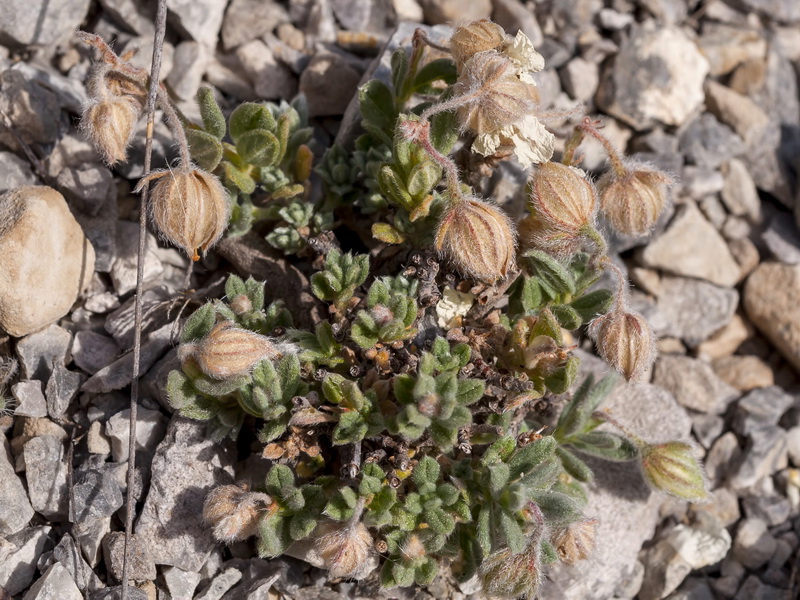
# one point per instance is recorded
(233, 511)
(475, 37)
(626, 341)
(110, 124)
(229, 350)
(345, 548)
(493, 96)
(507, 575)
(633, 202)
(413, 549)
(673, 468)
(575, 541)
(190, 208)
(562, 197)
(478, 238)
(535, 234)
(241, 304)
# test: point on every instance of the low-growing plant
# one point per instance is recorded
(413, 428)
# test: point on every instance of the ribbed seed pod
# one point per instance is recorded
(475, 37)
(632, 203)
(673, 468)
(233, 511)
(562, 197)
(345, 548)
(190, 208)
(493, 95)
(626, 341)
(478, 238)
(229, 350)
(110, 124)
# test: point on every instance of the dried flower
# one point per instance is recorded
(233, 511)
(229, 350)
(345, 548)
(190, 207)
(633, 201)
(508, 575)
(673, 468)
(241, 304)
(625, 340)
(478, 238)
(575, 541)
(478, 36)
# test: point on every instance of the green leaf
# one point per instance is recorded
(210, 113)
(426, 471)
(558, 508)
(206, 150)
(279, 478)
(350, 428)
(301, 526)
(604, 445)
(567, 316)
(470, 391)
(259, 147)
(499, 451)
(340, 507)
(392, 186)
(426, 572)
(387, 234)
(199, 324)
(273, 537)
(498, 477)
(511, 532)
(444, 131)
(439, 69)
(422, 179)
(439, 521)
(593, 304)
(560, 381)
(399, 68)
(543, 475)
(240, 179)
(377, 105)
(574, 466)
(525, 459)
(551, 272)
(585, 400)
(249, 116)
(483, 530)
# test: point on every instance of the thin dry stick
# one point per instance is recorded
(161, 26)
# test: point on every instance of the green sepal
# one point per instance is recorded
(510, 531)
(206, 150)
(560, 381)
(549, 554)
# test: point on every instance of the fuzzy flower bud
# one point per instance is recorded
(241, 304)
(575, 541)
(229, 350)
(626, 341)
(233, 512)
(345, 548)
(190, 208)
(673, 468)
(633, 202)
(478, 238)
(478, 36)
(507, 575)
(110, 124)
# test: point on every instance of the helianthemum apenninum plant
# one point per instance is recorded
(406, 431)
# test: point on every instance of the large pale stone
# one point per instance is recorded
(47, 260)
(692, 247)
(771, 301)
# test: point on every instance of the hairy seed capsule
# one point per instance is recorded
(575, 541)
(233, 512)
(633, 202)
(229, 350)
(345, 548)
(673, 468)
(475, 37)
(562, 197)
(478, 238)
(493, 96)
(110, 124)
(507, 575)
(626, 341)
(190, 208)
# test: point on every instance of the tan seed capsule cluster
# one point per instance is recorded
(345, 548)
(229, 350)
(478, 238)
(507, 575)
(233, 512)
(575, 541)
(626, 341)
(633, 202)
(475, 37)
(189, 207)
